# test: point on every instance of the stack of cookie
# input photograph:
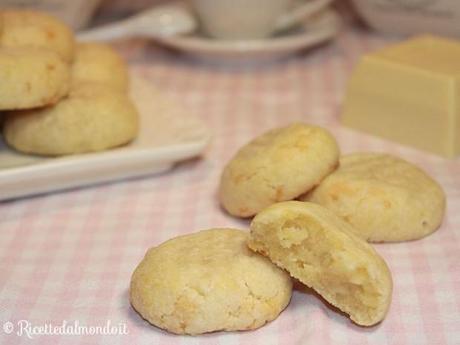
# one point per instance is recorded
(60, 97)
(226, 279)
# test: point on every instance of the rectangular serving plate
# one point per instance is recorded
(167, 135)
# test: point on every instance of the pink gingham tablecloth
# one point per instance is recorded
(66, 258)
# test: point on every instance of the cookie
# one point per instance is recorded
(322, 251)
(101, 63)
(384, 198)
(277, 166)
(208, 281)
(93, 117)
(36, 29)
(31, 77)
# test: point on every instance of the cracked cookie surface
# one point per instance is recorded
(384, 198)
(279, 165)
(322, 251)
(208, 281)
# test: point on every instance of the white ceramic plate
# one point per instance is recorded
(167, 135)
(316, 30)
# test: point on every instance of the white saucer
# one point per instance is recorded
(319, 29)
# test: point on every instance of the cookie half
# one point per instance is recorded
(277, 166)
(322, 251)
(385, 198)
(208, 281)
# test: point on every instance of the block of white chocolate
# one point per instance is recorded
(409, 93)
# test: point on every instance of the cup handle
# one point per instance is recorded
(300, 12)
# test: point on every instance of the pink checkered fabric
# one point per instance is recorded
(69, 256)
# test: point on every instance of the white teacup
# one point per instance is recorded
(252, 19)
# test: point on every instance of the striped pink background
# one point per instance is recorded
(69, 256)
